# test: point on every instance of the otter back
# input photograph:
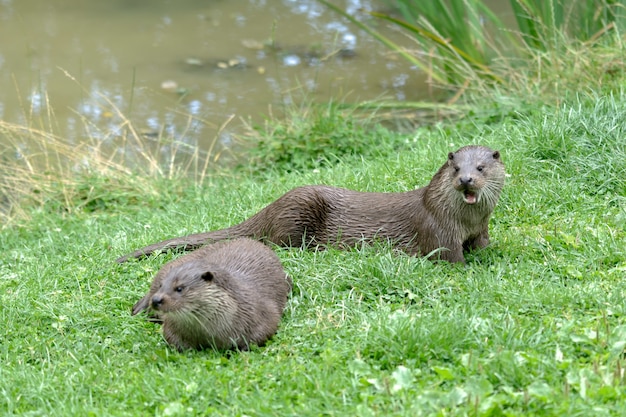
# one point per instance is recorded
(225, 295)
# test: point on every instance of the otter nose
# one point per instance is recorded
(157, 301)
(466, 180)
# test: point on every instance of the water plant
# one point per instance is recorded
(464, 44)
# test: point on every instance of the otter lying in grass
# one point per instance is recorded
(452, 213)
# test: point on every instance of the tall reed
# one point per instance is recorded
(464, 43)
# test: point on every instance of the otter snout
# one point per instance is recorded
(466, 185)
(157, 300)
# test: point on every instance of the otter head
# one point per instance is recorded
(181, 286)
(477, 173)
(194, 293)
(195, 306)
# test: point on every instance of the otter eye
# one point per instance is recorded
(457, 169)
(179, 288)
(480, 168)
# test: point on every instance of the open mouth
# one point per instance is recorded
(469, 197)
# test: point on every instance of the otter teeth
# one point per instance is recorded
(469, 197)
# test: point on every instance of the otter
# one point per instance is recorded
(223, 296)
(441, 220)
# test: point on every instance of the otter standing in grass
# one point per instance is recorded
(452, 213)
(222, 296)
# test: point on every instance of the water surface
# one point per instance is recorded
(81, 68)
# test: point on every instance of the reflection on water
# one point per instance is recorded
(84, 68)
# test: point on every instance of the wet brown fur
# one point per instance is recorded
(418, 222)
(225, 295)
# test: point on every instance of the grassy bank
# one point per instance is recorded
(534, 325)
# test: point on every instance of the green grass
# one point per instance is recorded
(535, 324)
(311, 137)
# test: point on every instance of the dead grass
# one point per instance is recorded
(39, 166)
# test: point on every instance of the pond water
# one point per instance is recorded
(186, 67)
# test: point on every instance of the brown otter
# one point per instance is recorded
(452, 213)
(222, 296)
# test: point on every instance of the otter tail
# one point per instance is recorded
(185, 243)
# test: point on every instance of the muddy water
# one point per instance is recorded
(185, 67)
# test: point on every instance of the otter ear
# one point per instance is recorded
(207, 276)
(451, 156)
(496, 155)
